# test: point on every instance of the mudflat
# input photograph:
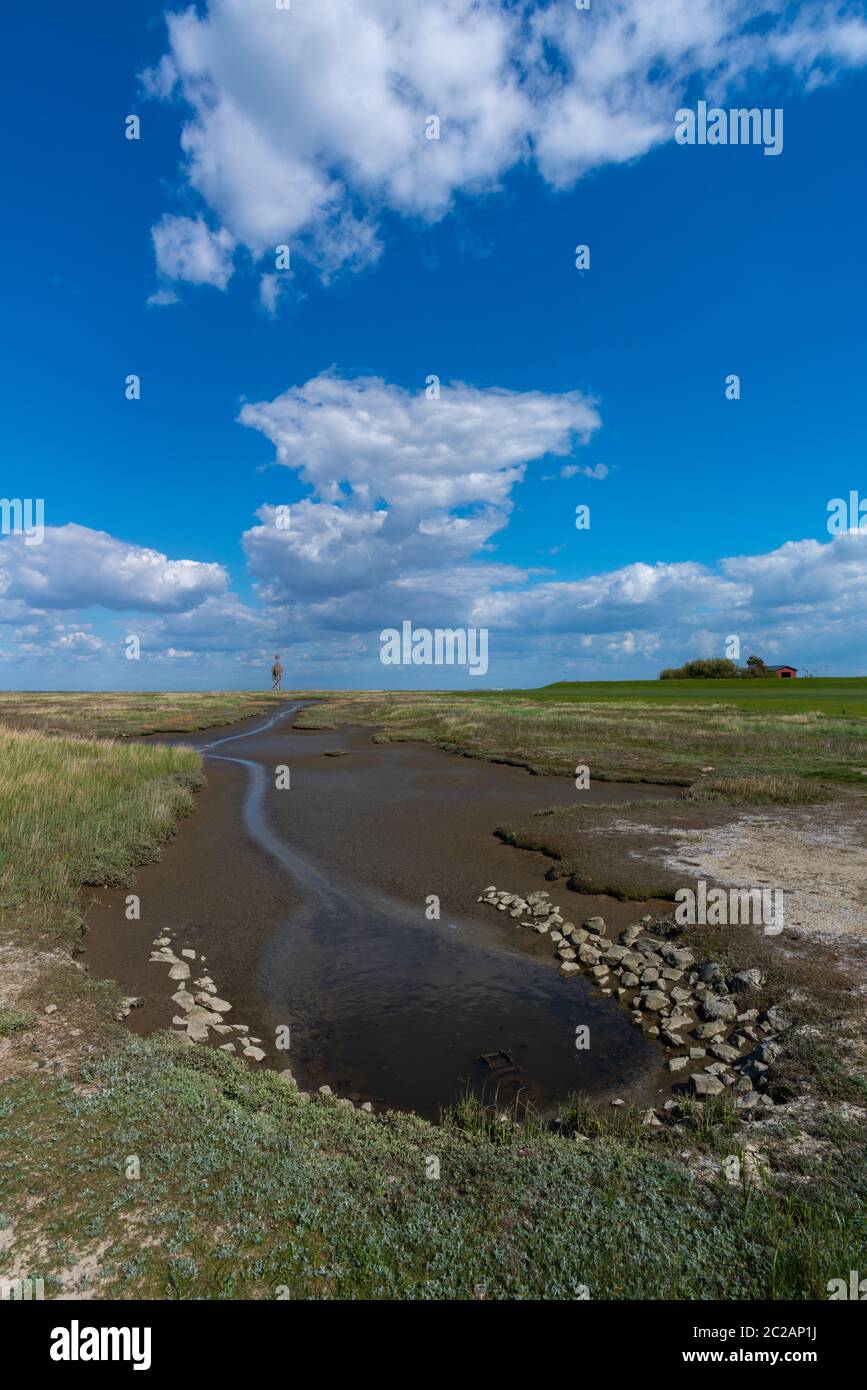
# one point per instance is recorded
(310, 908)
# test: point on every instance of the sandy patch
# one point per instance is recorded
(816, 854)
(64, 1025)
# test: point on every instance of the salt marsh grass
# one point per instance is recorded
(620, 740)
(77, 811)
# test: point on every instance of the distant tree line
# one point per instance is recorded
(715, 668)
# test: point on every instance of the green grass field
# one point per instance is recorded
(838, 695)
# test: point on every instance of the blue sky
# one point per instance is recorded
(412, 257)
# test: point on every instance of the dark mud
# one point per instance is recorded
(308, 905)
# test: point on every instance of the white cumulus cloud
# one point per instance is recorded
(305, 123)
(187, 249)
(404, 489)
(75, 567)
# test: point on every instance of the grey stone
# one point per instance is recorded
(746, 979)
(754, 1069)
(196, 1031)
(199, 1015)
(717, 1006)
(709, 1030)
(748, 1100)
(778, 1019)
(654, 999)
(210, 1001)
(678, 956)
(702, 1085)
(678, 1021)
(648, 945)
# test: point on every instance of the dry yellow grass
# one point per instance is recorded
(115, 713)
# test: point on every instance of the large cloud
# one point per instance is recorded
(805, 602)
(405, 489)
(222, 624)
(304, 123)
(394, 445)
(76, 567)
(408, 496)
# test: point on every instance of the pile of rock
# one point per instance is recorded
(202, 1012)
(729, 1046)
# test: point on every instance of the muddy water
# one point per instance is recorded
(308, 905)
